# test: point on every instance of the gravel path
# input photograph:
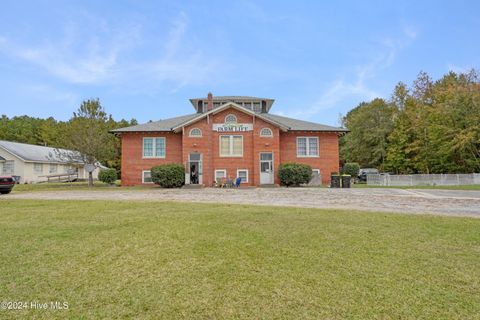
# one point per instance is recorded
(439, 202)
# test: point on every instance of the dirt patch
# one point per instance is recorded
(439, 202)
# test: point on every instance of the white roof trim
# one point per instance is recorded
(12, 153)
(223, 107)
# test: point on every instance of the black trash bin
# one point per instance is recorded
(335, 181)
(346, 181)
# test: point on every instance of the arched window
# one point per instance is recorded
(195, 132)
(231, 118)
(266, 132)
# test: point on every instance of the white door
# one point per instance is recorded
(266, 168)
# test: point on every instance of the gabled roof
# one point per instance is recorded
(161, 125)
(33, 153)
(301, 125)
(285, 123)
(226, 106)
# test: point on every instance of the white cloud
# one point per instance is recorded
(340, 89)
(100, 56)
(457, 69)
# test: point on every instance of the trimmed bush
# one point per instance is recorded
(168, 175)
(351, 168)
(294, 174)
(108, 175)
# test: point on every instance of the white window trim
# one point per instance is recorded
(154, 146)
(5, 172)
(51, 166)
(230, 145)
(143, 176)
(220, 170)
(316, 170)
(36, 165)
(231, 115)
(246, 178)
(266, 136)
(308, 147)
(194, 136)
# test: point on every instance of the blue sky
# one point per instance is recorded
(145, 59)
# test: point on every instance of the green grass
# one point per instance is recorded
(460, 187)
(61, 186)
(182, 261)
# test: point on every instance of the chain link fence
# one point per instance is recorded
(423, 179)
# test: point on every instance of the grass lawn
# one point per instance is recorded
(460, 187)
(182, 261)
(58, 186)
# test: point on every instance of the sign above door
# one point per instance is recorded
(232, 127)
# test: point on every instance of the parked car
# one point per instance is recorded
(6, 184)
(362, 173)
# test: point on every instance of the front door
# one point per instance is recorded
(195, 175)
(266, 168)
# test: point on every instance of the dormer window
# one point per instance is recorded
(257, 107)
(231, 118)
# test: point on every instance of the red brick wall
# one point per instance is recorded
(283, 145)
(231, 164)
(200, 145)
(266, 144)
(328, 160)
(132, 155)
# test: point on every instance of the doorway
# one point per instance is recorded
(195, 168)
(266, 168)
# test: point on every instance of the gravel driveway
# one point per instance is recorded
(439, 202)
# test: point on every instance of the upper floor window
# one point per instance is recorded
(307, 147)
(195, 132)
(154, 147)
(231, 146)
(266, 132)
(231, 118)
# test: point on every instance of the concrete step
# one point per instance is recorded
(193, 186)
(268, 185)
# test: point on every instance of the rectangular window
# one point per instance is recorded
(8, 167)
(243, 174)
(38, 168)
(307, 147)
(53, 168)
(220, 174)
(154, 147)
(231, 146)
(146, 177)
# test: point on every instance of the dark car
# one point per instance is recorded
(362, 174)
(6, 184)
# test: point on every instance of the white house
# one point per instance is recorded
(32, 163)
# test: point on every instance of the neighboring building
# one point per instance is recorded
(229, 137)
(32, 163)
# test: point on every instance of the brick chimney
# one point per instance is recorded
(210, 101)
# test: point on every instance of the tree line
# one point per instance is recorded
(428, 127)
(87, 131)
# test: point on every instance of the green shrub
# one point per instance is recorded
(351, 168)
(294, 174)
(108, 175)
(169, 175)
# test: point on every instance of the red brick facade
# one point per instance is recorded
(283, 146)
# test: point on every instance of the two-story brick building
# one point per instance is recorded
(228, 136)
